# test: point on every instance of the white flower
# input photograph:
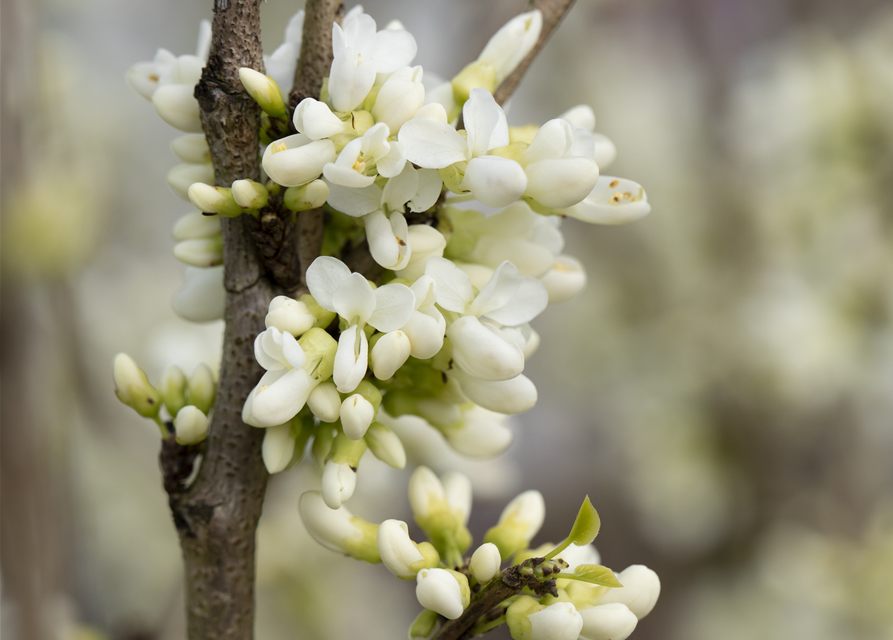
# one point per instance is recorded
(177, 106)
(289, 315)
(481, 433)
(565, 279)
(283, 389)
(360, 53)
(202, 298)
(354, 165)
(338, 529)
(607, 622)
(324, 402)
(296, 160)
(485, 562)
(316, 120)
(559, 166)
(278, 447)
(576, 555)
(382, 211)
(182, 176)
(191, 148)
(426, 242)
(426, 327)
(502, 396)
(357, 413)
(166, 68)
(439, 590)
(403, 557)
(559, 621)
(399, 98)
(611, 201)
(640, 590)
(389, 354)
(338, 483)
(603, 150)
(510, 45)
(387, 308)
(196, 225)
(200, 252)
(280, 65)
(485, 351)
(430, 143)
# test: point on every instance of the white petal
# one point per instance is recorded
(350, 79)
(482, 351)
(314, 119)
(435, 110)
(583, 144)
(203, 297)
(355, 202)
(559, 621)
(425, 331)
(529, 301)
(426, 242)
(501, 288)
(507, 396)
(605, 152)
(346, 177)
(354, 299)
(432, 144)
(383, 244)
(482, 435)
(580, 116)
(324, 276)
(351, 359)
(495, 181)
(338, 483)
(389, 354)
(485, 123)
(512, 42)
(392, 163)
(454, 291)
(296, 160)
(400, 189)
(394, 304)
(552, 141)
(612, 201)
(561, 183)
(278, 448)
(530, 258)
(565, 279)
(392, 50)
(640, 590)
(177, 106)
(607, 622)
(279, 397)
(430, 186)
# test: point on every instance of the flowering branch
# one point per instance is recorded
(316, 48)
(553, 11)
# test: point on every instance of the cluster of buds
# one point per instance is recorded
(186, 401)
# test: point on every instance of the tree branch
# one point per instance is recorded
(510, 583)
(553, 11)
(316, 49)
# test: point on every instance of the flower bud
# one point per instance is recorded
(249, 194)
(502, 396)
(338, 529)
(202, 389)
(399, 98)
(529, 620)
(443, 591)
(192, 148)
(477, 74)
(441, 509)
(385, 445)
(190, 425)
(423, 625)
(357, 414)
(339, 477)
(457, 490)
(296, 160)
(278, 447)
(481, 434)
(519, 523)
(403, 557)
(182, 176)
(264, 90)
(133, 389)
(607, 622)
(483, 350)
(323, 440)
(426, 242)
(565, 279)
(196, 225)
(177, 106)
(289, 315)
(203, 297)
(640, 590)
(390, 352)
(319, 348)
(576, 555)
(511, 43)
(201, 252)
(309, 196)
(316, 120)
(172, 387)
(324, 402)
(485, 562)
(210, 199)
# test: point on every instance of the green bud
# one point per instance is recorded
(308, 196)
(423, 625)
(319, 349)
(323, 317)
(172, 387)
(477, 74)
(385, 445)
(452, 177)
(347, 451)
(370, 392)
(133, 389)
(210, 199)
(364, 547)
(323, 440)
(264, 90)
(202, 388)
(517, 616)
(249, 194)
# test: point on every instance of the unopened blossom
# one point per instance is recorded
(640, 590)
(426, 242)
(338, 529)
(339, 475)
(324, 402)
(283, 389)
(565, 279)
(390, 352)
(387, 308)
(184, 175)
(603, 150)
(385, 445)
(403, 557)
(203, 297)
(611, 201)
(529, 620)
(519, 522)
(399, 98)
(485, 562)
(511, 43)
(607, 622)
(425, 329)
(357, 413)
(513, 396)
(190, 425)
(133, 388)
(192, 148)
(480, 434)
(296, 160)
(195, 225)
(443, 591)
(290, 315)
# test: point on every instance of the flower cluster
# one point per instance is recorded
(460, 214)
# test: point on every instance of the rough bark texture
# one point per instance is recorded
(217, 516)
(316, 49)
(553, 11)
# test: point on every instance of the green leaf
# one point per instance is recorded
(586, 525)
(595, 574)
(423, 625)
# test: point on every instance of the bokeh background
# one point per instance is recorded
(723, 389)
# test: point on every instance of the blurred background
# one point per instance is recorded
(723, 388)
